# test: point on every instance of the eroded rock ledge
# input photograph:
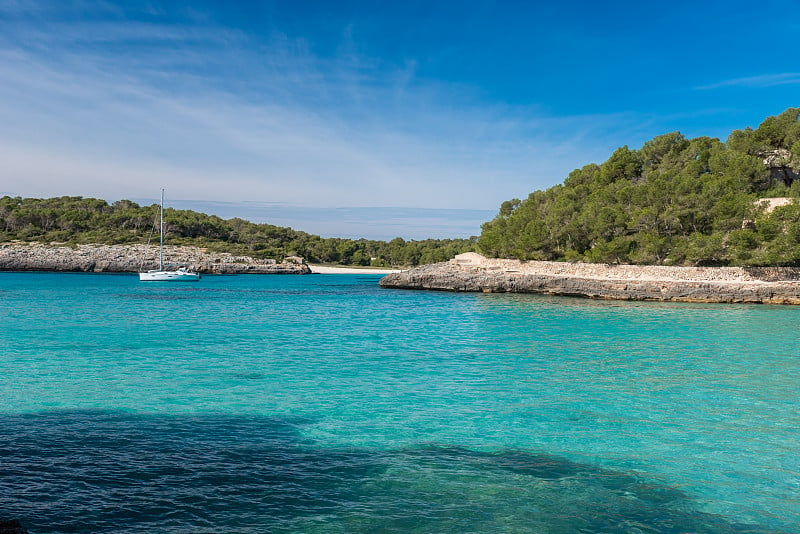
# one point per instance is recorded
(473, 272)
(132, 258)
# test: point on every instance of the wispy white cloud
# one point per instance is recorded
(118, 110)
(761, 81)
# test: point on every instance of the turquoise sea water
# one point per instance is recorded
(326, 404)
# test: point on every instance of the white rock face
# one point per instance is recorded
(779, 157)
(469, 259)
(773, 285)
(769, 204)
(133, 258)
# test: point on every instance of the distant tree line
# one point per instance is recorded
(674, 201)
(78, 220)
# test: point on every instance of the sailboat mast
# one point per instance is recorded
(161, 240)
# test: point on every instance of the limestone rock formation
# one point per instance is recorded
(133, 258)
(781, 165)
(472, 272)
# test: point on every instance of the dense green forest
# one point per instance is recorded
(77, 220)
(674, 201)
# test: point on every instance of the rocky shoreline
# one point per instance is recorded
(472, 272)
(133, 258)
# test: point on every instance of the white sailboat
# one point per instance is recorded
(181, 274)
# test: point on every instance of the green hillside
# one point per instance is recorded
(673, 201)
(77, 220)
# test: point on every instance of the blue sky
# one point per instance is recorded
(319, 115)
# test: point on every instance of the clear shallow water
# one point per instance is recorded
(325, 404)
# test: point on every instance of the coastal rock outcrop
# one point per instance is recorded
(473, 272)
(133, 258)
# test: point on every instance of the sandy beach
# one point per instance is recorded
(321, 269)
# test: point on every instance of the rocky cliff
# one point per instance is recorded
(133, 258)
(472, 272)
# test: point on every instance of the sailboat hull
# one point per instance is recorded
(169, 276)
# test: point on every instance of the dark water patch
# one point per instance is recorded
(114, 472)
(249, 376)
(11, 526)
(554, 494)
(86, 471)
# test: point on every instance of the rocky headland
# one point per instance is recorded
(473, 272)
(133, 258)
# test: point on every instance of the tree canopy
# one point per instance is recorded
(674, 201)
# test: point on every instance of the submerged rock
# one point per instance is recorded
(473, 272)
